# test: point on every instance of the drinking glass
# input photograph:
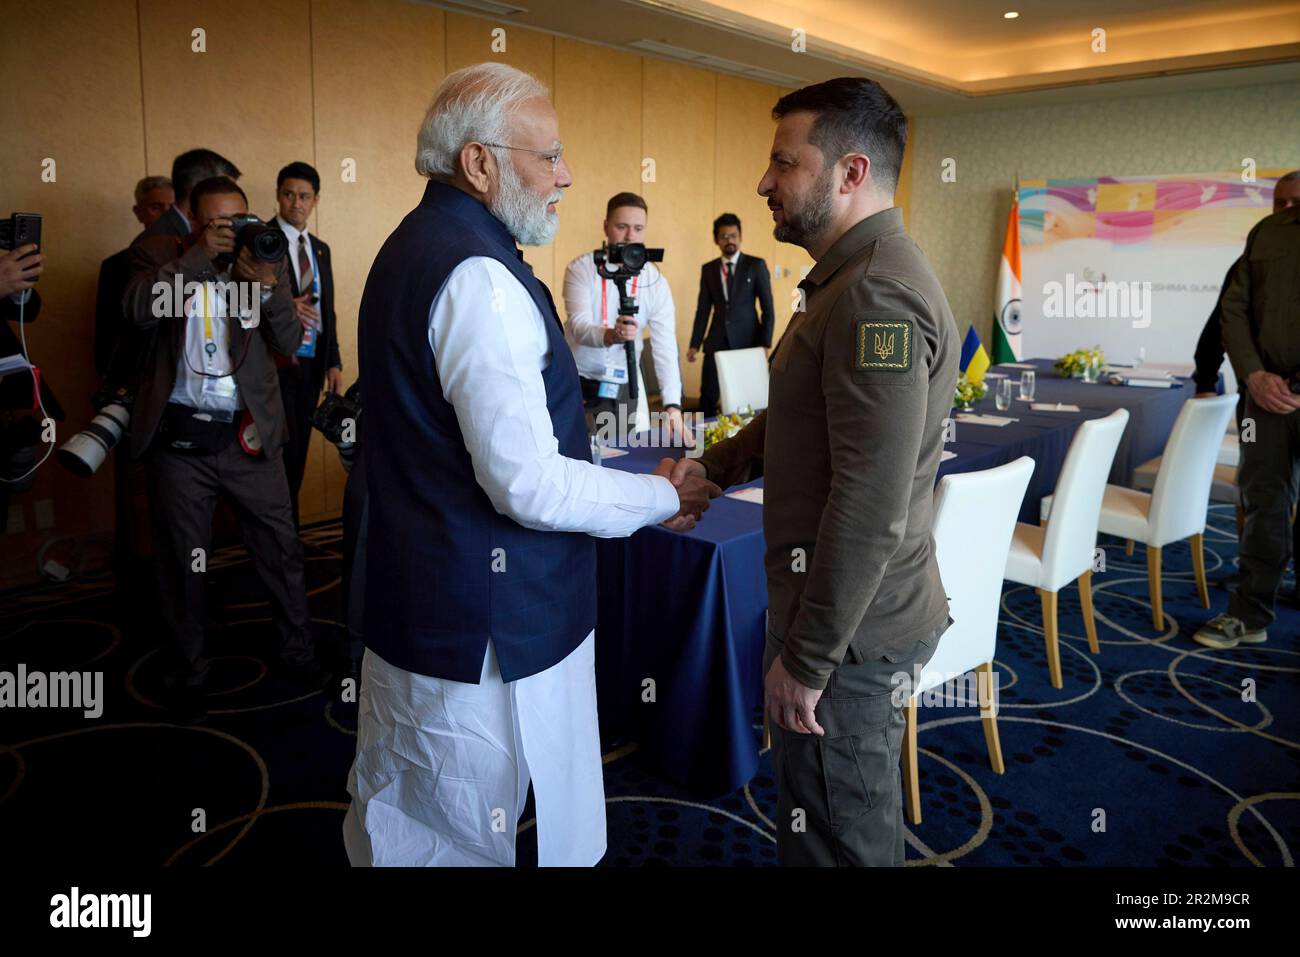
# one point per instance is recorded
(1002, 397)
(1027, 384)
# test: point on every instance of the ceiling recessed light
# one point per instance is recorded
(1010, 15)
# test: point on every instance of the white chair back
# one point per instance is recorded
(742, 379)
(1182, 490)
(1076, 505)
(974, 517)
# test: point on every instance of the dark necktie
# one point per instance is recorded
(306, 278)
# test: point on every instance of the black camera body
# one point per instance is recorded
(627, 258)
(267, 243)
(20, 229)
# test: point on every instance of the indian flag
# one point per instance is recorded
(1006, 317)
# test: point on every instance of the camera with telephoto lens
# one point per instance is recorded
(267, 243)
(85, 452)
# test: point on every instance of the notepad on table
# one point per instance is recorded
(995, 420)
(946, 455)
(1053, 407)
(754, 495)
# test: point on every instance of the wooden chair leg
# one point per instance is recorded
(1128, 548)
(1153, 582)
(1050, 636)
(1198, 566)
(767, 732)
(989, 716)
(1085, 603)
(911, 777)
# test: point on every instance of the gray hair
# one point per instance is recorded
(148, 183)
(472, 105)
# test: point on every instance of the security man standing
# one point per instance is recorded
(860, 384)
(1261, 333)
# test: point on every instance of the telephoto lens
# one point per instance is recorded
(85, 452)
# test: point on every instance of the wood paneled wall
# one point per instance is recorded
(112, 90)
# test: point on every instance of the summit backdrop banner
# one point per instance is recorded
(1132, 264)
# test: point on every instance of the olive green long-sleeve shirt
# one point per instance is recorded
(1261, 306)
(860, 385)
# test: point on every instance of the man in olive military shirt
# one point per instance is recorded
(1260, 315)
(851, 440)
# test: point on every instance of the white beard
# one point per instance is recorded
(523, 213)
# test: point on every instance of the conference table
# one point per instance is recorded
(681, 615)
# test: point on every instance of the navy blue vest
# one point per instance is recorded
(445, 571)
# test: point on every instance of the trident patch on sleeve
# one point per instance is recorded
(883, 344)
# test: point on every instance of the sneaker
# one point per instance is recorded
(1225, 631)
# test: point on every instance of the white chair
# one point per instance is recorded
(1175, 509)
(974, 515)
(742, 379)
(1050, 558)
(1222, 489)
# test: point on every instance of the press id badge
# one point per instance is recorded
(308, 345)
(611, 382)
(219, 387)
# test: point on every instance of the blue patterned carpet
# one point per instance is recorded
(1148, 756)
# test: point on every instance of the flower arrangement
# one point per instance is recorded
(727, 426)
(1080, 362)
(968, 392)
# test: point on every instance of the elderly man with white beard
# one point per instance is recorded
(479, 670)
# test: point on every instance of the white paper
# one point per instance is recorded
(995, 420)
(1016, 365)
(946, 455)
(1149, 383)
(1052, 407)
(754, 495)
(608, 453)
(13, 363)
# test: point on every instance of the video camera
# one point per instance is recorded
(628, 259)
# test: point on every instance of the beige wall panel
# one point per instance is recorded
(602, 142)
(376, 66)
(678, 130)
(71, 94)
(469, 41)
(744, 143)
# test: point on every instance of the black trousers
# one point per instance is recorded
(709, 391)
(183, 490)
(1269, 476)
(840, 795)
(300, 395)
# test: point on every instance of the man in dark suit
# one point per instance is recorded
(317, 364)
(209, 417)
(188, 169)
(728, 287)
(154, 198)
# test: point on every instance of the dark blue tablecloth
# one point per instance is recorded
(680, 626)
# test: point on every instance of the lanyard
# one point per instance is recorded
(604, 319)
(210, 340)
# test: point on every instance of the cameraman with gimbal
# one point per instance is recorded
(598, 334)
(210, 418)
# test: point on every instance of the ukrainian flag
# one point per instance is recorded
(974, 360)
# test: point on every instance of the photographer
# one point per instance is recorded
(597, 333)
(19, 425)
(210, 417)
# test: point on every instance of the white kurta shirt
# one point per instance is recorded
(586, 326)
(442, 767)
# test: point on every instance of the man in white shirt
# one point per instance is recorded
(479, 671)
(597, 332)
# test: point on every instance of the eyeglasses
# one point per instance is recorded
(552, 155)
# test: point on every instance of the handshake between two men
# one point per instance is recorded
(694, 491)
